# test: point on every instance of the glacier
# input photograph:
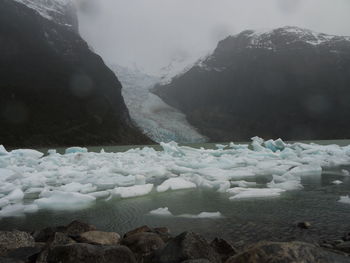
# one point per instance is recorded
(161, 122)
(31, 181)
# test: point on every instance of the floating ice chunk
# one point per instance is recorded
(305, 170)
(12, 210)
(58, 200)
(203, 215)
(5, 173)
(3, 151)
(100, 194)
(275, 146)
(163, 211)
(140, 179)
(220, 146)
(172, 148)
(243, 193)
(132, 191)
(27, 153)
(15, 196)
(34, 190)
(30, 208)
(243, 183)
(345, 172)
(4, 202)
(337, 182)
(223, 186)
(175, 184)
(344, 199)
(77, 187)
(287, 185)
(76, 150)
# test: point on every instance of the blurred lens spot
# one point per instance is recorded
(15, 112)
(81, 86)
(317, 105)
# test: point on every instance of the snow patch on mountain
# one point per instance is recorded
(59, 11)
(292, 34)
(157, 119)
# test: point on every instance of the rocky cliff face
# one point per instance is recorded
(288, 82)
(54, 89)
(62, 12)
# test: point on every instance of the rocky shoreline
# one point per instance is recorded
(80, 242)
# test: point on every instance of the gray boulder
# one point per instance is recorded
(143, 244)
(10, 240)
(187, 246)
(87, 253)
(291, 252)
(99, 238)
(345, 247)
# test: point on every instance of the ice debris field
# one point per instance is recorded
(30, 180)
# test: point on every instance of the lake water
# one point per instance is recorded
(244, 220)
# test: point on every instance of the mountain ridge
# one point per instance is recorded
(253, 82)
(55, 90)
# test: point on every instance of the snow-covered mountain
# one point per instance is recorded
(158, 120)
(288, 37)
(288, 82)
(62, 12)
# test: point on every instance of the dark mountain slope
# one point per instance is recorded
(54, 89)
(289, 82)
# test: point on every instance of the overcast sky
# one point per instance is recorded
(151, 33)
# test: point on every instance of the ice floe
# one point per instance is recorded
(30, 180)
(164, 211)
(175, 184)
(337, 182)
(344, 200)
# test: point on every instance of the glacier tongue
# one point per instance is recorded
(30, 181)
(157, 119)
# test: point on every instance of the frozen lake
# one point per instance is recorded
(308, 195)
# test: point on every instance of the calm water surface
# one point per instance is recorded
(244, 220)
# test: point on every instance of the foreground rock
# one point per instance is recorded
(86, 253)
(291, 252)
(143, 244)
(187, 246)
(223, 248)
(10, 240)
(79, 242)
(75, 228)
(345, 247)
(99, 238)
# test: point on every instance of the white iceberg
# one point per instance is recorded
(175, 184)
(58, 200)
(162, 211)
(344, 199)
(245, 193)
(132, 191)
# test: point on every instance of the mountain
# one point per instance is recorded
(54, 89)
(62, 12)
(288, 82)
(153, 116)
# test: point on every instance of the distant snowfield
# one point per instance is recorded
(157, 119)
(30, 181)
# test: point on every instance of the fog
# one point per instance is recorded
(149, 34)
